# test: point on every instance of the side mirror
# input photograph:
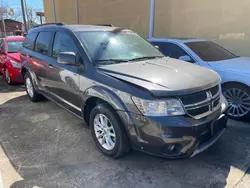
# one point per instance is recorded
(157, 47)
(66, 58)
(185, 58)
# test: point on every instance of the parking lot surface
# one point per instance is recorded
(42, 145)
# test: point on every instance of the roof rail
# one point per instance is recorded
(109, 25)
(55, 23)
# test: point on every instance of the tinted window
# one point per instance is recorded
(63, 43)
(1, 45)
(170, 49)
(116, 45)
(14, 46)
(209, 51)
(29, 41)
(42, 42)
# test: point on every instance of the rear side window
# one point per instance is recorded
(43, 42)
(29, 41)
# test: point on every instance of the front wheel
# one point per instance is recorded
(108, 132)
(7, 76)
(238, 97)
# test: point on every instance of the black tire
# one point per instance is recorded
(238, 86)
(7, 80)
(122, 145)
(36, 97)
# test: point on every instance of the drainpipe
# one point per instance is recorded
(77, 12)
(54, 11)
(151, 19)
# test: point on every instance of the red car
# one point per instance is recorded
(10, 65)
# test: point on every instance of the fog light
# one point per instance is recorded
(171, 147)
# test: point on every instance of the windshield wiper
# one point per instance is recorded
(145, 57)
(111, 61)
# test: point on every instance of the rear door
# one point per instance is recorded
(39, 59)
(63, 80)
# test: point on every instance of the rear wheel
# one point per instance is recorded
(7, 76)
(238, 97)
(33, 95)
(108, 132)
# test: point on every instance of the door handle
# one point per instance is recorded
(51, 66)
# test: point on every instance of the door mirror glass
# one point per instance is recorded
(185, 58)
(157, 47)
(66, 58)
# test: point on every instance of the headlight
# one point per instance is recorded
(224, 103)
(169, 107)
(15, 64)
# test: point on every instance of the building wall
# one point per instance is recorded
(122, 13)
(224, 21)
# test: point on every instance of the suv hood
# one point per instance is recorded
(240, 64)
(163, 76)
(14, 56)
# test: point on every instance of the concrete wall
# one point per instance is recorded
(225, 21)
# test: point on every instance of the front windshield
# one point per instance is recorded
(209, 51)
(14, 46)
(116, 47)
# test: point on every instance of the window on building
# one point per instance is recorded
(63, 43)
(42, 42)
(29, 41)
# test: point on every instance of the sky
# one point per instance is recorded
(16, 4)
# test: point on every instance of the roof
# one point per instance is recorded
(14, 38)
(10, 20)
(176, 40)
(76, 28)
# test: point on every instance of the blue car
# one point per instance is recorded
(234, 70)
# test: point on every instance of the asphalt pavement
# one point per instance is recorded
(42, 145)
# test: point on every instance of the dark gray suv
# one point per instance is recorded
(126, 91)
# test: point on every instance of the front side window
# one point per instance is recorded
(63, 43)
(209, 51)
(116, 46)
(42, 42)
(29, 41)
(13, 46)
(170, 49)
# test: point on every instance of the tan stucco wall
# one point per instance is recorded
(225, 21)
(133, 14)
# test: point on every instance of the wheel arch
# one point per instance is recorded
(97, 95)
(233, 82)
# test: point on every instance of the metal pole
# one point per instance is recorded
(54, 10)
(2, 12)
(151, 19)
(24, 18)
(26, 11)
(77, 12)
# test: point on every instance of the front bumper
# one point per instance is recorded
(174, 137)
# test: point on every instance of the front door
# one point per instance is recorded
(63, 80)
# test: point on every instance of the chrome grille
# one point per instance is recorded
(201, 104)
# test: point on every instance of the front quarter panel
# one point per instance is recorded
(230, 76)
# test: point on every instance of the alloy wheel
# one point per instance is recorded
(238, 101)
(29, 87)
(104, 132)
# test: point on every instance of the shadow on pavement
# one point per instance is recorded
(51, 148)
(5, 88)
